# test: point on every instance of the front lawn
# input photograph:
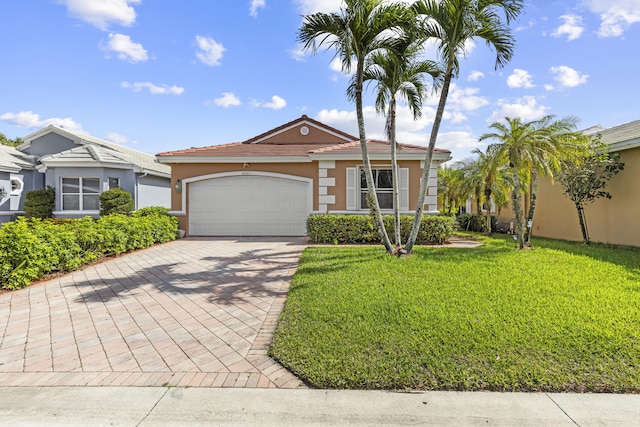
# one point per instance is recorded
(561, 317)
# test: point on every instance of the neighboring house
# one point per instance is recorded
(269, 184)
(17, 176)
(609, 221)
(80, 167)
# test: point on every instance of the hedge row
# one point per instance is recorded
(31, 247)
(342, 229)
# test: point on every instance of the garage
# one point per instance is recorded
(249, 205)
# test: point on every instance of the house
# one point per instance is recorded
(612, 220)
(268, 185)
(80, 167)
(17, 176)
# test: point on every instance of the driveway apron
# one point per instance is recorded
(196, 312)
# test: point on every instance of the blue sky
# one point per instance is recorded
(162, 75)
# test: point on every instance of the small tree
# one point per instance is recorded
(584, 180)
(40, 203)
(116, 200)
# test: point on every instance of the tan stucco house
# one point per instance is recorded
(268, 185)
(609, 221)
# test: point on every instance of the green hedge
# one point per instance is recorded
(341, 229)
(31, 247)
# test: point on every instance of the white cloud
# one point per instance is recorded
(210, 52)
(227, 99)
(255, 5)
(520, 79)
(572, 27)
(567, 76)
(100, 13)
(276, 103)
(549, 87)
(475, 76)
(29, 119)
(615, 16)
(119, 138)
(306, 7)
(125, 48)
(525, 108)
(457, 140)
(298, 53)
(153, 89)
(463, 99)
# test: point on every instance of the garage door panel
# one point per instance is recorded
(249, 205)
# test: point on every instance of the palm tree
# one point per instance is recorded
(450, 195)
(536, 146)
(486, 177)
(451, 24)
(400, 74)
(361, 28)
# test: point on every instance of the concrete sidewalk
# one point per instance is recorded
(160, 406)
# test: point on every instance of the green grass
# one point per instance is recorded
(561, 317)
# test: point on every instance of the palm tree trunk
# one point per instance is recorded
(394, 171)
(373, 200)
(488, 197)
(532, 205)
(583, 223)
(429, 157)
(517, 207)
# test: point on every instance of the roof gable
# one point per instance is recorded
(303, 130)
(144, 161)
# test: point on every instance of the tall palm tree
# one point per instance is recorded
(398, 73)
(451, 24)
(538, 146)
(361, 28)
(450, 193)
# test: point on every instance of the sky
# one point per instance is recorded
(161, 75)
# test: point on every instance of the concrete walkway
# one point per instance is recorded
(197, 312)
(159, 406)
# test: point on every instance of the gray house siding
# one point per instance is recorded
(153, 191)
(50, 143)
(12, 204)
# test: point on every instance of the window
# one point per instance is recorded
(384, 188)
(80, 194)
(114, 183)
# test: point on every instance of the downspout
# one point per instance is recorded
(138, 178)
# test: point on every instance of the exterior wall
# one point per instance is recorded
(609, 221)
(49, 144)
(153, 191)
(13, 204)
(53, 176)
(181, 171)
(339, 173)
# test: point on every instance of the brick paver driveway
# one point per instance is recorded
(196, 312)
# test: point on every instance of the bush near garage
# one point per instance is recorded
(360, 229)
(31, 248)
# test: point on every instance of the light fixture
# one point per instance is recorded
(246, 165)
(178, 186)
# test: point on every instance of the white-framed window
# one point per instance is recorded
(357, 188)
(80, 194)
(114, 183)
(383, 181)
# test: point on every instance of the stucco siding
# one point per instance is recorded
(49, 144)
(609, 221)
(153, 191)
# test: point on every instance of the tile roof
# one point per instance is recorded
(244, 149)
(375, 147)
(12, 160)
(87, 153)
(621, 133)
(145, 161)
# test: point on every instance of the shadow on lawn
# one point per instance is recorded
(223, 279)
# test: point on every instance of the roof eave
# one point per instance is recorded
(233, 159)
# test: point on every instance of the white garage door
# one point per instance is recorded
(249, 206)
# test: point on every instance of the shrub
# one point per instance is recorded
(40, 203)
(337, 229)
(116, 200)
(471, 222)
(151, 210)
(33, 247)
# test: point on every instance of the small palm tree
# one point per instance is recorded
(361, 28)
(451, 24)
(531, 148)
(398, 73)
(450, 191)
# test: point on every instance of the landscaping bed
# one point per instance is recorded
(561, 317)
